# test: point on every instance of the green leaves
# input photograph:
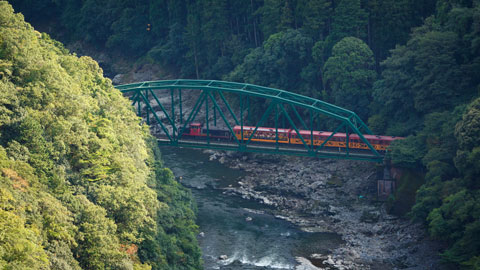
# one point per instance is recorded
(349, 74)
(468, 129)
(74, 167)
(349, 20)
(21, 246)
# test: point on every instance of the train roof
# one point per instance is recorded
(355, 136)
(262, 129)
(307, 133)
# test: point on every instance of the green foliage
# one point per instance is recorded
(193, 37)
(349, 20)
(21, 246)
(390, 22)
(80, 186)
(283, 58)
(428, 74)
(406, 189)
(425, 54)
(315, 15)
(424, 89)
(449, 201)
(277, 63)
(271, 12)
(349, 74)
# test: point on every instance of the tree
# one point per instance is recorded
(390, 22)
(193, 37)
(21, 245)
(349, 20)
(349, 75)
(315, 16)
(278, 64)
(214, 28)
(423, 76)
(74, 166)
(286, 19)
(270, 17)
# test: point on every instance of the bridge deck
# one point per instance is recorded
(270, 149)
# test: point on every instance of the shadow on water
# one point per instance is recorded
(238, 228)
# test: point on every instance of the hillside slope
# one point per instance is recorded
(81, 184)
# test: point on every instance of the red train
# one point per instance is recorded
(290, 136)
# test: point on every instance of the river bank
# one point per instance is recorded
(334, 196)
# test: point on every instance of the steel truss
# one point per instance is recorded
(283, 105)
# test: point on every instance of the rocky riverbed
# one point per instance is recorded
(334, 196)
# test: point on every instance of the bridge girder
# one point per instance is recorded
(348, 119)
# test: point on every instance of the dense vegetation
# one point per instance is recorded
(412, 68)
(81, 182)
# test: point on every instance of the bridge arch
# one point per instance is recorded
(145, 95)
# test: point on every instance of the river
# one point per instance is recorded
(238, 228)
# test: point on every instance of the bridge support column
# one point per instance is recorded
(180, 104)
(386, 184)
(148, 113)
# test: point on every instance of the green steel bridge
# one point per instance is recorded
(172, 105)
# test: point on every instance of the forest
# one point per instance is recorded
(82, 185)
(409, 68)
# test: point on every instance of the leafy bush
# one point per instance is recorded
(80, 184)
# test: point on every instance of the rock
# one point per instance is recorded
(267, 201)
(118, 79)
(223, 257)
(305, 264)
(354, 254)
(367, 232)
(222, 160)
(377, 229)
(317, 256)
(329, 261)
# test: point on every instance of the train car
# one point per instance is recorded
(379, 143)
(197, 130)
(290, 136)
(338, 140)
(263, 134)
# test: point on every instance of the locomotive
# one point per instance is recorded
(290, 137)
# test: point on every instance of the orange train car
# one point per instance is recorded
(263, 134)
(290, 136)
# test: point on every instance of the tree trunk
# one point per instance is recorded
(196, 60)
